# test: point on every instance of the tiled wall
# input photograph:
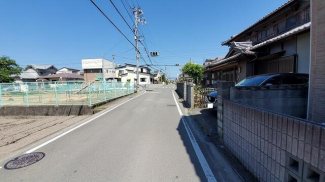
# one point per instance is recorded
(274, 147)
(317, 63)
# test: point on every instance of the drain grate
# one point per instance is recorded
(24, 160)
(171, 105)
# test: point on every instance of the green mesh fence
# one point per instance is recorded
(62, 92)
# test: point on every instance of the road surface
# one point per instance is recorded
(141, 140)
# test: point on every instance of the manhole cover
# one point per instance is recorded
(24, 160)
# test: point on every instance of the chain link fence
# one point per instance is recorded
(62, 92)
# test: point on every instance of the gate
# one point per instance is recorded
(200, 94)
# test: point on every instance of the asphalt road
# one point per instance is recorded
(141, 140)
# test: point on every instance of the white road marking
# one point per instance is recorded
(0, 167)
(92, 119)
(204, 164)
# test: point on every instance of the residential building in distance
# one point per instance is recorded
(128, 73)
(61, 77)
(97, 69)
(32, 72)
(157, 76)
(68, 70)
(277, 43)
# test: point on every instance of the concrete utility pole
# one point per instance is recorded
(138, 18)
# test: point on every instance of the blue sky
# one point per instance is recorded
(62, 32)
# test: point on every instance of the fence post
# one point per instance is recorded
(128, 87)
(115, 89)
(89, 91)
(27, 99)
(56, 95)
(104, 84)
(1, 95)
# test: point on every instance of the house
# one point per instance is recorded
(157, 76)
(61, 77)
(32, 72)
(128, 73)
(97, 69)
(277, 43)
(68, 70)
(208, 75)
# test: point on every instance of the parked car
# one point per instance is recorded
(264, 80)
(274, 79)
(211, 99)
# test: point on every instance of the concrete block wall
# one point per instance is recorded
(286, 100)
(190, 95)
(274, 147)
(181, 90)
(223, 88)
(66, 110)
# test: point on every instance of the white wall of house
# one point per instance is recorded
(67, 70)
(107, 67)
(33, 72)
(128, 73)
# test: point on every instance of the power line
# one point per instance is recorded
(121, 15)
(127, 10)
(113, 24)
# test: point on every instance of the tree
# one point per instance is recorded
(164, 79)
(8, 67)
(194, 70)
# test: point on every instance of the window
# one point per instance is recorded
(143, 79)
(273, 81)
(261, 35)
(281, 26)
(291, 22)
(269, 31)
(141, 70)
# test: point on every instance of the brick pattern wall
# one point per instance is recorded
(223, 89)
(274, 147)
(317, 64)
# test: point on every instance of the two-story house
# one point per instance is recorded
(32, 72)
(97, 69)
(277, 43)
(128, 73)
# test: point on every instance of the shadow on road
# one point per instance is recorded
(190, 151)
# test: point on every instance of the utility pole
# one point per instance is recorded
(138, 18)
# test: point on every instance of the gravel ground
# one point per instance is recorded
(19, 131)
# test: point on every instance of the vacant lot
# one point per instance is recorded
(19, 131)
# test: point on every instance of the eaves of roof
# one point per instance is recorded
(296, 30)
(224, 60)
(259, 21)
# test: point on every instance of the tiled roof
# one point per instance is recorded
(44, 67)
(69, 68)
(64, 75)
(259, 21)
(224, 60)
